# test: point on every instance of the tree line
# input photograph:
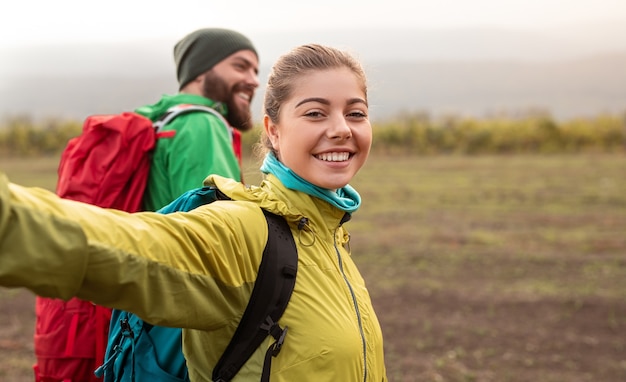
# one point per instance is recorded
(411, 133)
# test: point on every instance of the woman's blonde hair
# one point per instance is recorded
(298, 62)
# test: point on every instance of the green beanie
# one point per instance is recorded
(199, 51)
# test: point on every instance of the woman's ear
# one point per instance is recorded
(271, 130)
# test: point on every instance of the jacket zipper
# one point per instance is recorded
(356, 307)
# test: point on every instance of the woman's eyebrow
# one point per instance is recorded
(357, 100)
(313, 99)
(326, 102)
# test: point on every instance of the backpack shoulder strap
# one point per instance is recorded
(177, 110)
(271, 293)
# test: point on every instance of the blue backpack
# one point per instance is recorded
(138, 351)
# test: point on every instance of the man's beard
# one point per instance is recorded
(217, 90)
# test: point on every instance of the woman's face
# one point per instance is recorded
(324, 134)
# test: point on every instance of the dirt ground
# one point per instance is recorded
(481, 270)
(441, 337)
(17, 322)
(467, 338)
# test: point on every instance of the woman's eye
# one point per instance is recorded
(357, 114)
(314, 113)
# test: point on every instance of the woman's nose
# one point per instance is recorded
(339, 128)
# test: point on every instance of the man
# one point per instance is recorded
(216, 68)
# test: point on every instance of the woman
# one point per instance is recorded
(318, 135)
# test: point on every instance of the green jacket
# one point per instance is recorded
(61, 248)
(202, 145)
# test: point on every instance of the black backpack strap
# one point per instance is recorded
(270, 296)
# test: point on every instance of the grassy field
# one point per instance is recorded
(485, 269)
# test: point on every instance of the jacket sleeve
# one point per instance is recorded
(202, 146)
(62, 248)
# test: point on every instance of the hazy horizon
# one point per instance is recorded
(472, 71)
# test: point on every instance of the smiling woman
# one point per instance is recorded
(198, 274)
(322, 130)
(317, 121)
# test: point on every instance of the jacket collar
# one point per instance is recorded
(273, 196)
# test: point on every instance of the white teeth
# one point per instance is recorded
(333, 157)
(244, 96)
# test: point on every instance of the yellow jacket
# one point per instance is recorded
(196, 270)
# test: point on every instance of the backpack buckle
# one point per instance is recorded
(279, 343)
(127, 331)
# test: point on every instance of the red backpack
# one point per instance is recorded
(108, 166)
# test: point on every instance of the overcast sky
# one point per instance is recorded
(59, 21)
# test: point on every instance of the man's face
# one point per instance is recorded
(233, 81)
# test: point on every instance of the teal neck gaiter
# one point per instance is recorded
(345, 198)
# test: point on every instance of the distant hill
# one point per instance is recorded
(566, 89)
(472, 72)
